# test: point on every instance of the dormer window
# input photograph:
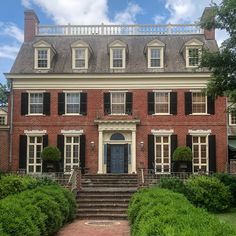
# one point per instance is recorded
(155, 54)
(42, 57)
(117, 55)
(81, 53)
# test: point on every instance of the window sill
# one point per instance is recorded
(35, 115)
(199, 114)
(72, 114)
(122, 114)
(162, 114)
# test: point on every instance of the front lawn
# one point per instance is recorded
(229, 217)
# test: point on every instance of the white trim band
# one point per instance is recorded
(199, 132)
(35, 132)
(162, 132)
(72, 132)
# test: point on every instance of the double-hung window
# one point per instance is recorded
(72, 147)
(232, 118)
(117, 58)
(80, 58)
(199, 103)
(72, 104)
(118, 103)
(2, 120)
(200, 153)
(35, 103)
(162, 154)
(42, 58)
(193, 56)
(162, 102)
(34, 149)
(155, 57)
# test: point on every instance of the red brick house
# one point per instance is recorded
(115, 98)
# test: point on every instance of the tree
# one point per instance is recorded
(223, 62)
(4, 90)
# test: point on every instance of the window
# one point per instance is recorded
(232, 118)
(42, 58)
(80, 58)
(200, 153)
(2, 120)
(193, 56)
(118, 103)
(199, 103)
(34, 149)
(162, 154)
(72, 147)
(72, 103)
(35, 103)
(155, 57)
(117, 58)
(162, 100)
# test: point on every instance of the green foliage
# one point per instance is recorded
(209, 193)
(51, 154)
(156, 211)
(182, 154)
(230, 181)
(172, 183)
(4, 90)
(41, 211)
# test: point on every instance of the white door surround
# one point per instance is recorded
(106, 128)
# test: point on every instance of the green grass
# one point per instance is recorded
(229, 217)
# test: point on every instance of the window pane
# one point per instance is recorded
(158, 150)
(162, 102)
(31, 151)
(68, 151)
(31, 169)
(38, 168)
(233, 118)
(76, 139)
(75, 151)
(2, 120)
(73, 102)
(68, 139)
(198, 102)
(161, 108)
(36, 103)
(158, 139)
(155, 62)
(166, 150)
(195, 139)
(158, 168)
(165, 139)
(118, 103)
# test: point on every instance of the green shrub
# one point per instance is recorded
(173, 183)
(230, 181)
(156, 211)
(182, 154)
(209, 193)
(51, 154)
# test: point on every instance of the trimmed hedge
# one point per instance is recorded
(182, 154)
(208, 192)
(51, 153)
(156, 211)
(41, 211)
(172, 183)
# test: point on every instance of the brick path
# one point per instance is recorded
(96, 228)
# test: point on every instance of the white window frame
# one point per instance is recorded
(161, 57)
(86, 56)
(162, 164)
(199, 144)
(72, 144)
(4, 117)
(199, 113)
(123, 58)
(48, 58)
(70, 113)
(199, 56)
(162, 113)
(35, 153)
(230, 119)
(111, 94)
(29, 94)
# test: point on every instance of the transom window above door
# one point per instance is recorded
(117, 136)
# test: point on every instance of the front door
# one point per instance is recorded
(117, 158)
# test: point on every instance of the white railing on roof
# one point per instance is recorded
(102, 29)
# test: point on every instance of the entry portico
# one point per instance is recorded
(109, 147)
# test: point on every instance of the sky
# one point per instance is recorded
(91, 12)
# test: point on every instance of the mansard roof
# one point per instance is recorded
(99, 62)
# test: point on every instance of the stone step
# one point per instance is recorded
(123, 181)
(102, 210)
(105, 205)
(103, 199)
(110, 176)
(84, 185)
(101, 216)
(108, 190)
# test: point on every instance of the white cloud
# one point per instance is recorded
(11, 30)
(10, 52)
(26, 3)
(159, 19)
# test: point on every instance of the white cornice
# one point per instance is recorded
(35, 132)
(162, 132)
(199, 132)
(72, 132)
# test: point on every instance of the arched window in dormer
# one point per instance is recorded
(117, 137)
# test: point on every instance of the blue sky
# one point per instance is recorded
(90, 12)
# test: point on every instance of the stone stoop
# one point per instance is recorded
(105, 196)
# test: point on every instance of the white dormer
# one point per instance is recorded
(3, 116)
(43, 54)
(155, 54)
(117, 51)
(193, 52)
(81, 53)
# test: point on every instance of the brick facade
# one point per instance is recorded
(4, 149)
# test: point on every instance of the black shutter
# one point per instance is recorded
(210, 105)
(173, 103)
(45, 141)
(46, 104)
(107, 103)
(212, 153)
(60, 145)
(151, 103)
(129, 103)
(174, 144)
(126, 158)
(189, 141)
(82, 153)
(83, 104)
(188, 103)
(61, 103)
(108, 158)
(23, 152)
(151, 158)
(24, 103)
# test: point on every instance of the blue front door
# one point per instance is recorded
(117, 158)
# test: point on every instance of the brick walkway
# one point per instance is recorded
(96, 228)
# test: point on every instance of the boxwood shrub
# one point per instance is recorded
(40, 211)
(157, 211)
(173, 183)
(208, 192)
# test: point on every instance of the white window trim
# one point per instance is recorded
(118, 114)
(86, 58)
(187, 55)
(71, 114)
(5, 119)
(123, 58)
(35, 132)
(206, 107)
(199, 132)
(230, 120)
(33, 114)
(72, 132)
(162, 132)
(36, 58)
(168, 113)
(161, 57)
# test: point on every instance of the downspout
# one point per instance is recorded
(227, 139)
(11, 125)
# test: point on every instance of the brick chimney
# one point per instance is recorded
(31, 23)
(208, 14)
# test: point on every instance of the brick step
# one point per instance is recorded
(101, 216)
(102, 210)
(110, 176)
(107, 185)
(103, 199)
(103, 205)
